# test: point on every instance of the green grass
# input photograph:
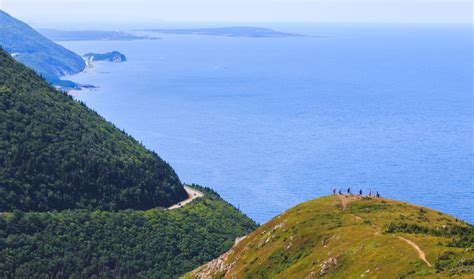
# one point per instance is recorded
(298, 242)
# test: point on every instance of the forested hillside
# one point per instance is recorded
(81, 199)
(126, 244)
(36, 51)
(57, 154)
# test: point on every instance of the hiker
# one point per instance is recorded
(340, 192)
(377, 195)
(334, 191)
(360, 192)
(370, 193)
(348, 190)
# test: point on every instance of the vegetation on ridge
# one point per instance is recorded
(370, 238)
(57, 154)
(113, 56)
(125, 244)
(61, 159)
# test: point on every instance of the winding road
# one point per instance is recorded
(192, 194)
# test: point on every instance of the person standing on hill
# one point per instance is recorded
(360, 192)
(377, 194)
(334, 191)
(370, 192)
(349, 190)
(340, 192)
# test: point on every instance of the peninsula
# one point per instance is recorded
(239, 31)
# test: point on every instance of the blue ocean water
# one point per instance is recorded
(272, 122)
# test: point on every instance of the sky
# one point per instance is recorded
(44, 12)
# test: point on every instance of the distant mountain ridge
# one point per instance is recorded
(28, 46)
(91, 35)
(237, 31)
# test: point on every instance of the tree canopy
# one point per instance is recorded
(125, 244)
(55, 153)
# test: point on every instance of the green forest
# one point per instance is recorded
(81, 199)
(125, 244)
(57, 154)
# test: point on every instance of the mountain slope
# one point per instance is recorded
(59, 158)
(126, 244)
(36, 51)
(55, 153)
(351, 237)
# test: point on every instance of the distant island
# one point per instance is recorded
(253, 32)
(91, 35)
(113, 56)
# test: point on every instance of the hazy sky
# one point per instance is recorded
(149, 11)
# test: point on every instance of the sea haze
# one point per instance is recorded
(272, 122)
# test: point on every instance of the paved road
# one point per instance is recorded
(192, 194)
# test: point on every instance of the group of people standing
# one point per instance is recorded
(360, 192)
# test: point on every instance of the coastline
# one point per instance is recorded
(79, 87)
(72, 86)
(89, 66)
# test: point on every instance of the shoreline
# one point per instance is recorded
(89, 66)
(80, 87)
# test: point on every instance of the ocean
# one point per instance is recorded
(272, 122)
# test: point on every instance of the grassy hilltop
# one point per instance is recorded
(353, 237)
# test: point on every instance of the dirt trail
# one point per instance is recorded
(192, 194)
(357, 217)
(346, 199)
(421, 254)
